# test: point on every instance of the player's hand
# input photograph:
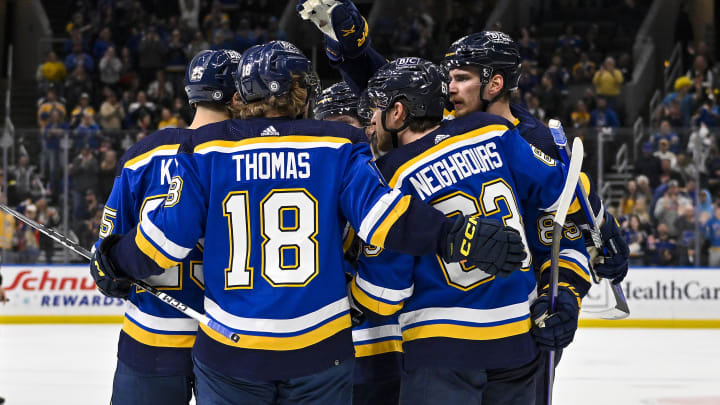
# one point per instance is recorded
(345, 29)
(617, 253)
(110, 281)
(555, 331)
(486, 243)
(3, 296)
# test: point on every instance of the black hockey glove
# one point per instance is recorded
(345, 29)
(617, 254)
(555, 331)
(110, 281)
(486, 243)
(357, 316)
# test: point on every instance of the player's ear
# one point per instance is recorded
(399, 111)
(496, 84)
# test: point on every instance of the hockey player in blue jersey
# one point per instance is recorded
(378, 349)
(484, 69)
(154, 360)
(270, 195)
(466, 334)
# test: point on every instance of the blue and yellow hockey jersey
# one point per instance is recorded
(452, 315)
(271, 198)
(155, 337)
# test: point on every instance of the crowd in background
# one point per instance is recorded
(119, 75)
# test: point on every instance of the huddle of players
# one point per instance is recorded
(466, 331)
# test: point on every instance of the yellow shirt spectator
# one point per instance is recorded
(608, 80)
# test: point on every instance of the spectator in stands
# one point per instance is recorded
(190, 12)
(81, 109)
(648, 165)
(27, 240)
(684, 99)
(712, 234)
(608, 81)
(76, 85)
(78, 57)
(128, 73)
(197, 44)
(624, 65)
(182, 110)
(699, 145)
(246, 36)
(700, 70)
(662, 248)
(667, 173)
(76, 38)
(528, 47)
(167, 119)
(110, 67)
(666, 132)
(685, 226)
(54, 131)
(627, 202)
(111, 112)
(705, 207)
(49, 217)
(141, 105)
(686, 168)
(90, 219)
(84, 178)
(669, 206)
(664, 152)
(176, 61)
(87, 134)
(528, 78)
(637, 239)
(603, 115)
(274, 32)
(584, 70)
(47, 105)
(580, 117)
(151, 55)
(108, 167)
(549, 96)
(534, 107)
(102, 43)
(52, 71)
(215, 17)
(160, 90)
(560, 75)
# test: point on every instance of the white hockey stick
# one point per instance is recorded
(619, 308)
(65, 241)
(566, 198)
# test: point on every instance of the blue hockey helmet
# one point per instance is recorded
(209, 76)
(418, 81)
(492, 52)
(337, 99)
(267, 70)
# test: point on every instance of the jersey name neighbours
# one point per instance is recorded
(455, 167)
(272, 166)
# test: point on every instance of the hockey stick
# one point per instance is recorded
(621, 309)
(566, 198)
(65, 241)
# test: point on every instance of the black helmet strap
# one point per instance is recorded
(393, 132)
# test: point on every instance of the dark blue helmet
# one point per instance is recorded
(492, 52)
(365, 111)
(209, 76)
(267, 70)
(418, 81)
(337, 99)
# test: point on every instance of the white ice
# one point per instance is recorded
(74, 364)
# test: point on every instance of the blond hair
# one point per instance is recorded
(291, 104)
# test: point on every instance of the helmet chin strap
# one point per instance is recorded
(393, 132)
(486, 103)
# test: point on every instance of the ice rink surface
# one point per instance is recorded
(74, 364)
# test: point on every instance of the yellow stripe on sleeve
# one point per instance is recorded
(372, 304)
(158, 257)
(567, 264)
(348, 239)
(467, 332)
(378, 237)
(372, 349)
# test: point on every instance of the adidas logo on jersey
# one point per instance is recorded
(440, 138)
(270, 131)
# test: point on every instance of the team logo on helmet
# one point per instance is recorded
(217, 95)
(197, 73)
(274, 86)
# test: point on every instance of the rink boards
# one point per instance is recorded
(658, 297)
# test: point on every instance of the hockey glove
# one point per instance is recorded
(345, 29)
(486, 243)
(555, 331)
(617, 254)
(357, 316)
(110, 281)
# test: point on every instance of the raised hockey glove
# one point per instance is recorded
(486, 243)
(617, 253)
(345, 29)
(555, 331)
(110, 281)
